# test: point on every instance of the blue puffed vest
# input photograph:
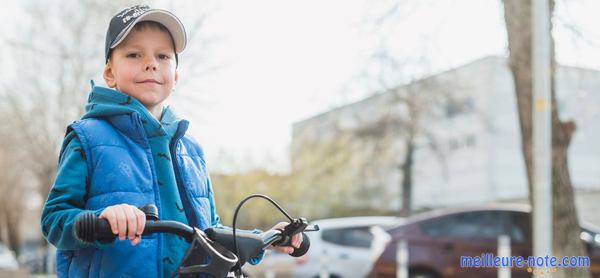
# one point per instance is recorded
(121, 170)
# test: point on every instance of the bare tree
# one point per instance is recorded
(374, 141)
(13, 189)
(566, 241)
(412, 108)
(407, 118)
(345, 158)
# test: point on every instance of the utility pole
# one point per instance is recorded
(542, 131)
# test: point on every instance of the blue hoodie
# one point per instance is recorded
(119, 153)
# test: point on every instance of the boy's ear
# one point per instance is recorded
(176, 76)
(109, 76)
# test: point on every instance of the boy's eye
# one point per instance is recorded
(164, 57)
(133, 55)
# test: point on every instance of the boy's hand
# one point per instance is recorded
(296, 240)
(125, 220)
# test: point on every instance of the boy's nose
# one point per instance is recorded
(151, 64)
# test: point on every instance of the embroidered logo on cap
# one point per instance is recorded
(133, 12)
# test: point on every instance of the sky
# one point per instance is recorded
(282, 61)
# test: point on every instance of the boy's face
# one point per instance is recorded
(143, 66)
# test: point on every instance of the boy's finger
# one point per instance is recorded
(121, 222)
(279, 225)
(131, 221)
(283, 249)
(109, 215)
(297, 240)
(141, 222)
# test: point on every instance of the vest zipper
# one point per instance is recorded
(186, 203)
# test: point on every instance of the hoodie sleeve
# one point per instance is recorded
(67, 197)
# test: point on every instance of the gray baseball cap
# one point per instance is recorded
(122, 23)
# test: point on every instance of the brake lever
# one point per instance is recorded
(297, 226)
(312, 228)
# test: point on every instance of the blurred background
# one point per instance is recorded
(403, 110)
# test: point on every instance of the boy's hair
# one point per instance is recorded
(135, 18)
(140, 26)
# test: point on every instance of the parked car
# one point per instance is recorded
(8, 261)
(342, 246)
(436, 241)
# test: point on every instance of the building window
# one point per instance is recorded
(457, 107)
(467, 141)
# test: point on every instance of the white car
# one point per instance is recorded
(342, 247)
(273, 264)
(8, 260)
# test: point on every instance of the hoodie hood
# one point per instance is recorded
(107, 103)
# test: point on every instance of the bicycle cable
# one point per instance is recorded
(238, 267)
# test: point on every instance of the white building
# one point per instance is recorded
(477, 155)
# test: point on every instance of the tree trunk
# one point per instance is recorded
(407, 168)
(14, 230)
(565, 225)
(518, 25)
(11, 216)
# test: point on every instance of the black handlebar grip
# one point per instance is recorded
(90, 228)
(303, 247)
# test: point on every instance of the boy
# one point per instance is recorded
(128, 150)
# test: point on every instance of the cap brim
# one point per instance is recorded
(167, 19)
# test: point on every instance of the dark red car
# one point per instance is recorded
(436, 241)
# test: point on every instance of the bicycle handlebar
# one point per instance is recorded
(217, 243)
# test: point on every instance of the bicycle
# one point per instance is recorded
(214, 252)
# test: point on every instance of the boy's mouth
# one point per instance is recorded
(149, 81)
